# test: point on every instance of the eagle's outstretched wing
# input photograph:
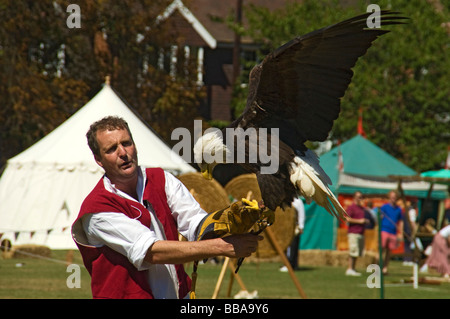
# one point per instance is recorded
(297, 88)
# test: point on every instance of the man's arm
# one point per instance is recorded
(139, 244)
(356, 220)
(185, 209)
(400, 230)
(352, 220)
(178, 252)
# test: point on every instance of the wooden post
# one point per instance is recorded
(233, 276)
(227, 264)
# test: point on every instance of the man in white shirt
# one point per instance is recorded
(127, 227)
(292, 250)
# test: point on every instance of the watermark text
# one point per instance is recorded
(74, 19)
(249, 145)
(374, 19)
(74, 279)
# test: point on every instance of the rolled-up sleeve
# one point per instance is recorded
(185, 209)
(125, 235)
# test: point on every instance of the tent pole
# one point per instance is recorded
(412, 237)
(380, 256)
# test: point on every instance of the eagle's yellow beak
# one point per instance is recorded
(207, 171)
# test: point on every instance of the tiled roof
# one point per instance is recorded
(207, 16)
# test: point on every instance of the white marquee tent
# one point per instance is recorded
(42, 188)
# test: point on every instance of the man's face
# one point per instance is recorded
(393, 198)
(118, 155)
(358, 198)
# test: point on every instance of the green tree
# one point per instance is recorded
(48, 70)
(33, 100)
(401, 84)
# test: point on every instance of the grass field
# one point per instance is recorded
(33, 278)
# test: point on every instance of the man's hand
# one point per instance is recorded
(238, 218)
(241, 245)
(179, 252)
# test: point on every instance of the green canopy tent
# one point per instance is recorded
(441, 176)
(366, 168)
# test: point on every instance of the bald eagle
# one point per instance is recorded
(296, 89)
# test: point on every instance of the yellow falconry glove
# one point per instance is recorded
(238, 218)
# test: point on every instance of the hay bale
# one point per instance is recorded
(30, 251)
(319, 257)
(239, 187)
(208, 193)
(370, 257)
(314, 257)
(337, 258)
(284, 226)
(6, 249)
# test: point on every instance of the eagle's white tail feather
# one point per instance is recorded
(312, 187)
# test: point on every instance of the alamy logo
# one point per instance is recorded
(374, 20)
(74, 18)
(374, 279)
(243, 146)
(74, 279)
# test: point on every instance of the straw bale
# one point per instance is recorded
(246, 185)
(208, 193)
(314, 257)
(337, 258)
(323, 257)
(30, 251)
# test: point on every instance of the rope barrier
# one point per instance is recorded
(36, 255)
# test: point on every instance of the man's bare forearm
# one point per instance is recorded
(178, 252)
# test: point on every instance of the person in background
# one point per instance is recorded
(292, 250)
(356, 226)
(446, 220)
(409, 230)
(391, 228)
(371, 215)
(439, 258)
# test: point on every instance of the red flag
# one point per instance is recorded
(447, 162)
(360, 124)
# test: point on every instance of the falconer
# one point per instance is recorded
(127, 228)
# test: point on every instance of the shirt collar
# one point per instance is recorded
(110, 187)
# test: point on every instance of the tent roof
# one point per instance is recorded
(442, 173)
(364, 159)
(370, 169)
(42, 188)
(441, 176)
(66, 146)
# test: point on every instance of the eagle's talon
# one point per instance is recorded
(269, 216)
(251, 204)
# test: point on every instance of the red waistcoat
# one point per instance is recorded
(112, 275)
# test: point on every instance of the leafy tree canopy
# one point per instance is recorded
(48, 70)
(401, 84)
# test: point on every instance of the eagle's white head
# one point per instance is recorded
(209, 150)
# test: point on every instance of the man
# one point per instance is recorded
(292, 250)
(409, 231)
(355, 233)
(127, 228)
(391, 227)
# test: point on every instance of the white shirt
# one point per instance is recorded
(132, 239)
(445, 232)
(297, 203)
(412, 215)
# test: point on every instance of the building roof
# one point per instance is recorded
(207, 17)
